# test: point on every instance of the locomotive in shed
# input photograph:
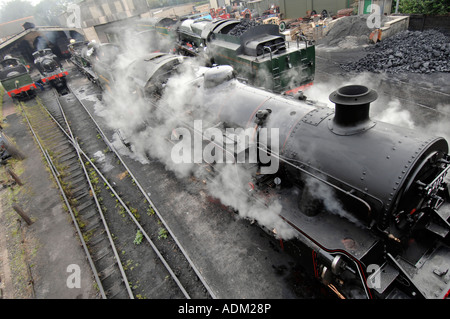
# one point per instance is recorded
(258, 52)
(50, 69)
(368, 201)
(16, 79)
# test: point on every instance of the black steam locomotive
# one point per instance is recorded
(369, 201)
(50, 69)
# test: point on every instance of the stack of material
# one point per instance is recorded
(292, 33)
(315, 30)
(417, 52)
(354, 27)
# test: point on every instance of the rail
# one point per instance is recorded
(147, 197)
(72, 215)
(75, 144)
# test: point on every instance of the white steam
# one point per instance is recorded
(328, 198)
(148, 128)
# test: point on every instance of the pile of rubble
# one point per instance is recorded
(352, 28)
(407, 51)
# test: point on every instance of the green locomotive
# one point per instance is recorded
(15, 79)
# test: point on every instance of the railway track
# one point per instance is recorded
(70, 175)
(125, 234)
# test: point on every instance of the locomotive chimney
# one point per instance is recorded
(352, 109)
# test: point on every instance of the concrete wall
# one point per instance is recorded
(95, 12)
(100, 19)
(91, 34)
(397, 24)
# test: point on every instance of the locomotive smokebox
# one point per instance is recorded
(352, 109)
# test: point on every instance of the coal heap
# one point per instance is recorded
(243, 26)
(407, 51)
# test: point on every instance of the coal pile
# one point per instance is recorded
(243, 26)
(407, 51)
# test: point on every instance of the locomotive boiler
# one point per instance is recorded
(369, 200)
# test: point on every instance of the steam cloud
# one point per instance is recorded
(148, 127)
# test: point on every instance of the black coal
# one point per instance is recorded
(407, 51)
(243, 26)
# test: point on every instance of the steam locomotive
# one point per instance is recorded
(368, 201)
(258, 52)
(388, 237)
(50, 69)
(15, 78)
(95, 60)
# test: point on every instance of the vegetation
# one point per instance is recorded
(433, 7)
(162, 233)
(138, 238)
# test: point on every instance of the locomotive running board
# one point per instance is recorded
(430, 275)
(330, 230)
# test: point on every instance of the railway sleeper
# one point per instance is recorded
(51, 138)
(83, 195)
(115, 291)
(79, 187)
(91, 224)
(105, 251)
(74, 171)
(98, 236)
(69, 156)
(77, 179)
(62, 146)
(70, 164)
(108, 271)
(75, 194)
(85, 205)
(63, 152)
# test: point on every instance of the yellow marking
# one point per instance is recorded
(104, 78)
(122, 175)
